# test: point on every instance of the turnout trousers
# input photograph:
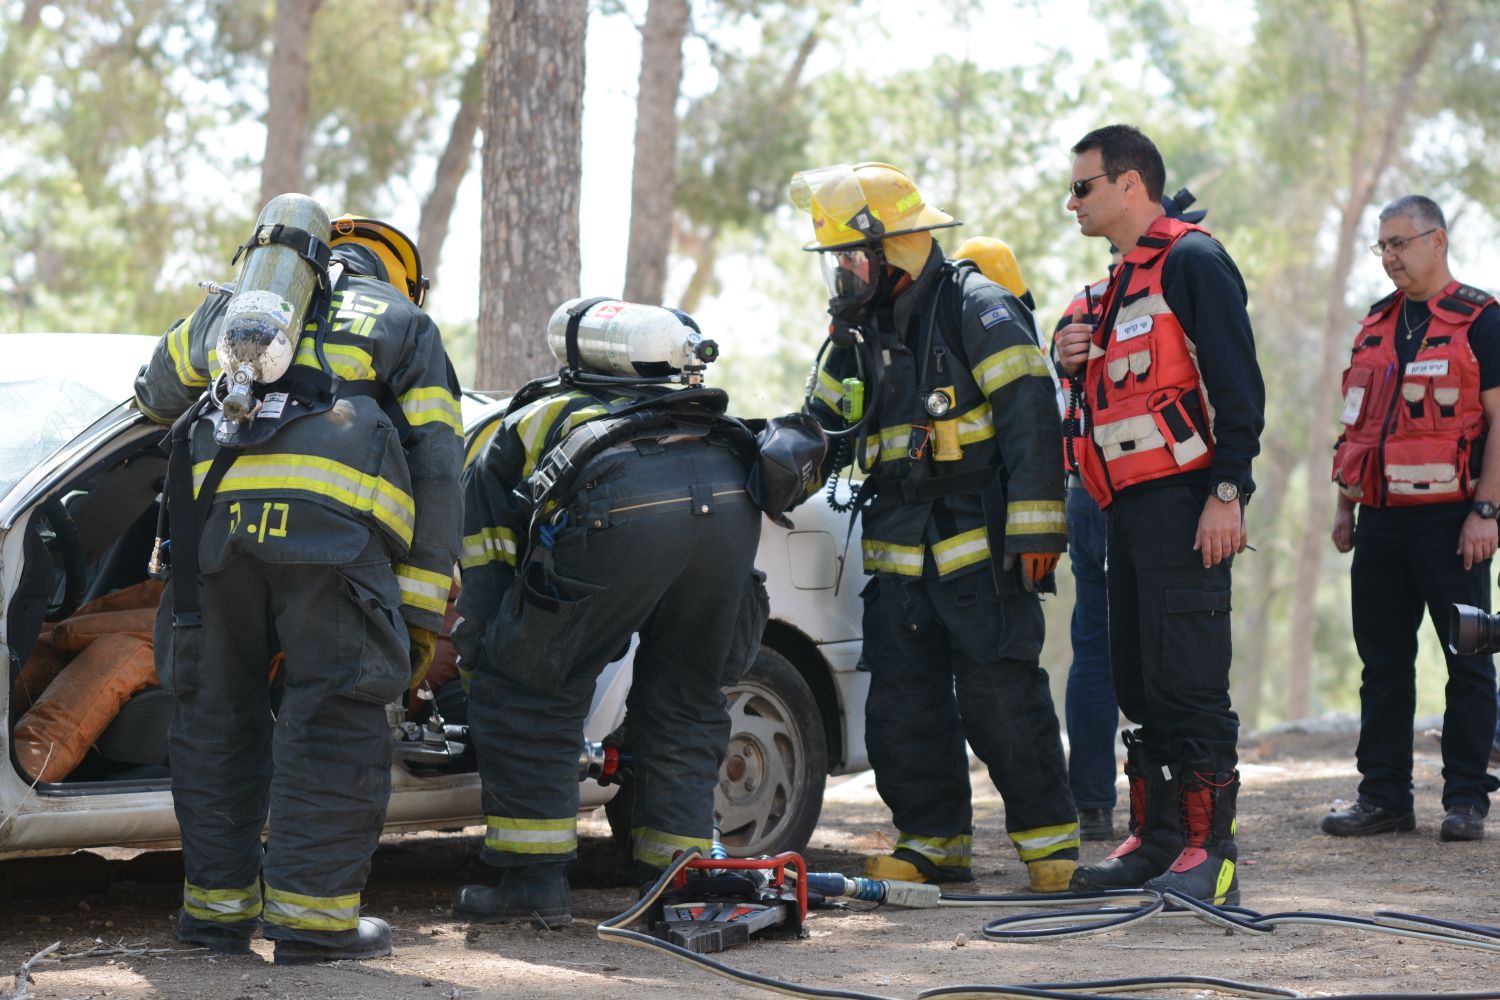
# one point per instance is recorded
(660, 541)
(951, 661)
(320, 767)
(1169, 636)
(1405, 565)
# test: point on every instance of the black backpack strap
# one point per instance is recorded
(311, 249)
(192, 512)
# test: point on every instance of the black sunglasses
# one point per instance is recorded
(1081, 188)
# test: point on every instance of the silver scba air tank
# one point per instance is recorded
(632, 340)
(258, 336)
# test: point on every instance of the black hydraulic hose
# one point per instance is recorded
(1099, 918)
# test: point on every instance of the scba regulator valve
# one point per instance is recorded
(630, 341)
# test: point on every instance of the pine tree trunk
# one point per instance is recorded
(282, 169)
(532, 163)
(1368, 168)
(653, 187)
(437, 210)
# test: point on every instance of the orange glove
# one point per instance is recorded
(1038, 564)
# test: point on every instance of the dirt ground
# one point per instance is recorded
(1290, 780)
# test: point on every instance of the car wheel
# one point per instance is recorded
(770, 790)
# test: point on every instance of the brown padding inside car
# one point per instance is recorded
(52, 738)
(44, 663)
(146, 594)
(76, 633)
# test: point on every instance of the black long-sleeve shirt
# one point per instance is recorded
(1207, 295)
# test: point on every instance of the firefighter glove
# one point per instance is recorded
(1038, 564)
(423, 645)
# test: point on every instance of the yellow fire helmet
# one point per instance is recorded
(403, 265)
(996, 260)
(864, 203)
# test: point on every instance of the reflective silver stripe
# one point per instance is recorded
(1004, 367)
(1151, 305)
(422, 588)
(976, 425)
(961, 550)
(888, 557)
(333, 913)
(221, 905)
(657, 847)
(489, 545)
(953, 852)
(531, 836)
(1434, 472)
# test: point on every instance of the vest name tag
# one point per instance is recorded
(1428, 367)
(1134, 328)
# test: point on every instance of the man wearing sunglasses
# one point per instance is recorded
(1420, 393)
(963, 521)
(1174, 404)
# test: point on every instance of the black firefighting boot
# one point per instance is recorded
(1207, 868)
(1154, 837)
(538, 893)
(371, 939)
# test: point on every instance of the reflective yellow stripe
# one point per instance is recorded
(1036, 517)
(312, 913)
(1045, 840)
(828, 390)
(976, 425)
(348, 362)
(179, 348)
(966, 549)
(1004, 367)
(359, 491)
(889, 557)
(481, 439)
(531, 836)
(489, 545)
(422, 588)
(950, 852)
(435, 403)
(225, 906)
(532, 428)
(910, 201)
(657, 847)
(895, 442)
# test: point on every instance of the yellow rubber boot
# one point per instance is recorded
(884, 866)
(1051, 874)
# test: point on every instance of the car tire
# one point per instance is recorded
(770, 791)
(777, 746)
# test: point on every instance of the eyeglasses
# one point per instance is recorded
(1081, 188)
(1398, 244)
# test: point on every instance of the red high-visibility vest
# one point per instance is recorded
(1409, 432)
(1149, 411)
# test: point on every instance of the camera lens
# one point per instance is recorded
(1472, 631)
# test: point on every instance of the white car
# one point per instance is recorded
(80, 478)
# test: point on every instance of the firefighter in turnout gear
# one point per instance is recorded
(328, 530)
(603, 506)
(1174, 403)
(936, 388)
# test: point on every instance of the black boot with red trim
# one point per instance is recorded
(1208, 867)
(1154, 836)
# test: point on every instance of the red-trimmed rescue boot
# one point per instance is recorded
(1208, 867)
(1154, 836)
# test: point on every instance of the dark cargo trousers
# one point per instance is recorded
(1169, 634)
(320, 768)
(950, 661)
(658, 540)
(1405, 564)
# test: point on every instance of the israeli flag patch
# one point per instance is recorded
(994, 314)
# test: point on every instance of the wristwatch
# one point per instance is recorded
(1229, 492)
(1485, 509)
